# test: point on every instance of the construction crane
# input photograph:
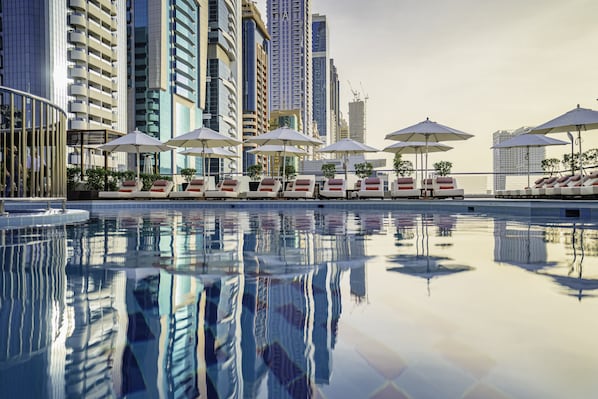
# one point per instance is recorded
(356, 95)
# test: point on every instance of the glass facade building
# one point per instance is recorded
(223, 94)
(289, 25)
(168, 47)
(256, 43)
(321, 77)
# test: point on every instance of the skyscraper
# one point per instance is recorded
(357, 127)
(335, 109)
(321, 77)
(79, 65)
(289, 25)
(167, 68)
(256, 43)
(223, 100)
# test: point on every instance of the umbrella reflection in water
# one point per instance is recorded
(575, 281)
(424, 265)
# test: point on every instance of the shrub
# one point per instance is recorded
(364, 169)
(255, 171)
(188, 174)
(443, 168)
(328, 170)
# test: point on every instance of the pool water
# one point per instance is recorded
(299, 304)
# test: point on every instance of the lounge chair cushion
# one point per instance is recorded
(335, 182)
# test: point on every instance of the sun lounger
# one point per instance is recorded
(562, 182)
(159, 189)
(195, 189)
(541, 191)
(404, 187)
(302, 188)
(127, 189)
(268, 188)
(334, 188)
(446, 187)
(588, 187)
(371, 187)
(527, 191)
(228, 189)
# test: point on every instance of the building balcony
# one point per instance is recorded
(78, 72)
(79, 90)
(78, 107)
(77, 19)
(79, 5)
(78, 37)
(78, 124)
(76, 54)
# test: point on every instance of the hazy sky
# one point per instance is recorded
(474, 65)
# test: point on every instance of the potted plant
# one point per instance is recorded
(289, 171)
(187, 174)
(443, 168)
(402, 168)
(363, 170)
(255, 174)
(329, 170)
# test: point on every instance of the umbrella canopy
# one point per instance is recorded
(346, 147)
(577, 119)
(527, 141)
(416, 147)
(135, 142)
(284, 136)
(203, 137)
(428, 131)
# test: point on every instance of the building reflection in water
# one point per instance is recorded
(525, 245)
(201, 304)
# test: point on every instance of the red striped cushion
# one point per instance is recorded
(335, 182)
(406, 188)
(371, 188)
(265, 189)
(197, 190)
(125, 190)
(335, 188)
(129, 183)
(446, 187)
(301, 189)
(157, 190)
(227, 189)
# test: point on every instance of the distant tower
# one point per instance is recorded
(256, 43)
(335, 106)
(289, 25)
(357, 115)
(512, 160)
(321, 77)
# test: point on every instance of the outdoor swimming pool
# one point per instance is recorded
(224, 303)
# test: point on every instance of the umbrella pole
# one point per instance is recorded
(580, 153)
(284, 164)
(416, 168)
(138, 162)
(345, 165)
(527, 156)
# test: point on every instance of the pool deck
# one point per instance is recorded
(577, 209)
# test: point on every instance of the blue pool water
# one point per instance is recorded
(299, 304)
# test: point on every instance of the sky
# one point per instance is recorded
(475, 65)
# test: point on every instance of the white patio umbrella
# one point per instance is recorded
(203, 137)
(577, 119)
(277, 149)
(284, 136)
(135, 142)
(346, 147)
(528, 141)
(428, 131)
(416, 147)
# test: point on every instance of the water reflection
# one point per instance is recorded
(527, 245)
(216, 303)
(423, 263)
